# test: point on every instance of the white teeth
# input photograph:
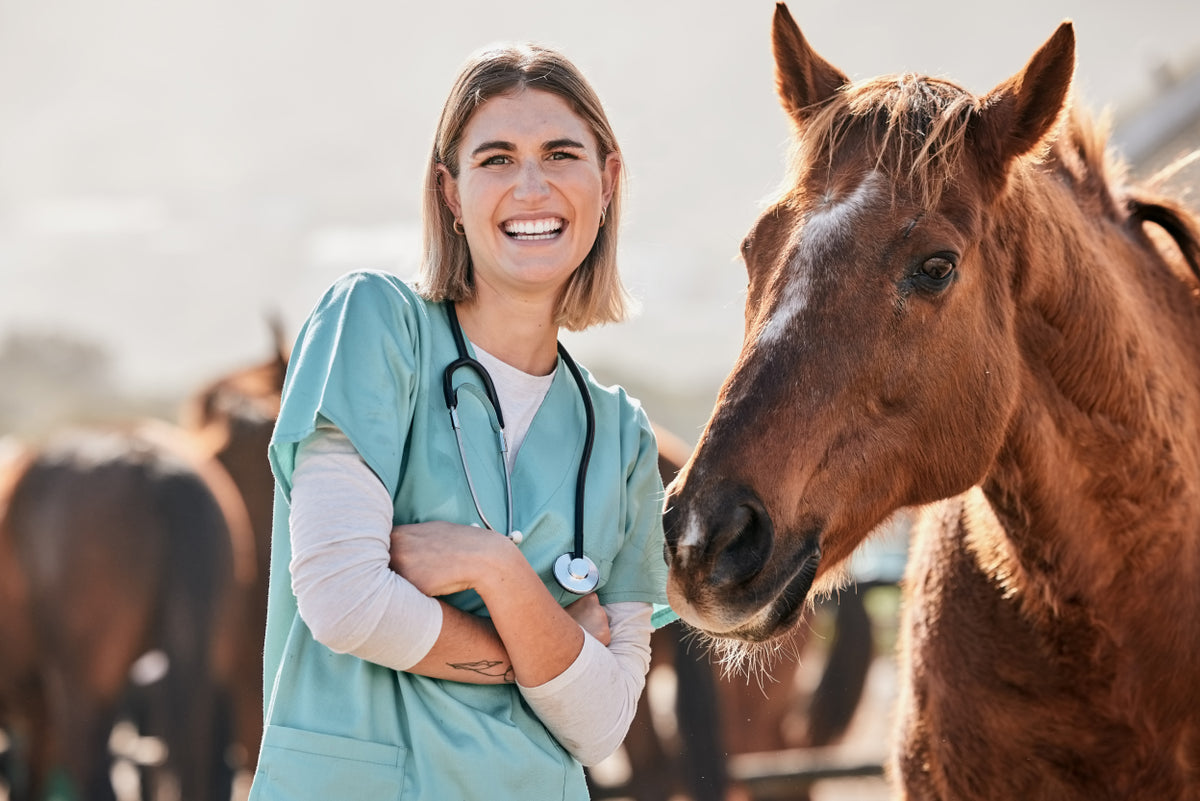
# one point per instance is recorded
(534, 229)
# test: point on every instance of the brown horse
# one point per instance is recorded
(112, 543)
(955, 305)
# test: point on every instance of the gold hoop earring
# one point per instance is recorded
(603, 216)
(458, 227)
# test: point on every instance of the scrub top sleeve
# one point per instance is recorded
(355, 364)
(639, 571)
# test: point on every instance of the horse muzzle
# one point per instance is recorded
(730, 575)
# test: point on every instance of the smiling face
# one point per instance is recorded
(530, 190)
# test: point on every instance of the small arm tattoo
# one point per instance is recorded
(487, 667)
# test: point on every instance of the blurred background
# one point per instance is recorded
(171, 173)
(174, 175)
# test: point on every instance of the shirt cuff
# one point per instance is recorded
(591, 654)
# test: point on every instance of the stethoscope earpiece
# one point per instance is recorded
(574, 571)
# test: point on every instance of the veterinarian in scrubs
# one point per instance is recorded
(428, 636)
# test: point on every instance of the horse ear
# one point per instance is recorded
(802, 78)
(1019, 113)
(279, 339)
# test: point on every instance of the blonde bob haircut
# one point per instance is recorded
(594, 293)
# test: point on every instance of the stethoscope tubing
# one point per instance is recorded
(589, 437)
(574, 571)
(451, 397)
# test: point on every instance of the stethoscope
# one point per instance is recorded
(574, 571)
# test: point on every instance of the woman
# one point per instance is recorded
(435, 631)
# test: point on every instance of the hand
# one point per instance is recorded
(591, 617)
(441, 558)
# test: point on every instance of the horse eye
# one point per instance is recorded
(745, 246)
(935, 273)
(937, 267)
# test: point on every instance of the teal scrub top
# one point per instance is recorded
(370, 359)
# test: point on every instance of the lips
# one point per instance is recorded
(532, 230)
(780, 614)
(752, 612)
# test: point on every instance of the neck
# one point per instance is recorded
(516, 332)
(1092, 480)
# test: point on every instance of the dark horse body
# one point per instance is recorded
(114, 543)
(954, 306)
(117, 541)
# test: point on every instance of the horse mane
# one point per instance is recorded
(1082, 158)
(1178, 222)
(917, 127)
(919, 130)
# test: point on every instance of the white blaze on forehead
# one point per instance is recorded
(823, 231)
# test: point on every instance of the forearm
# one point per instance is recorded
(468, 650)
(570, 704)
(541, 639)
(539, 636)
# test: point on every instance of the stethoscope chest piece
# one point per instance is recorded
(576, 574)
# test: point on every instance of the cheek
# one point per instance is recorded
(585, 199)
(584, 188)
(477, 197)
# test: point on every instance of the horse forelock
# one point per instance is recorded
(914, 128)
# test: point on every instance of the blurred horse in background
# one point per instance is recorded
(115, 543)
(954, 304)
(118, 542)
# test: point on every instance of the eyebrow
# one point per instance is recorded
(556, 144)
(553, 144)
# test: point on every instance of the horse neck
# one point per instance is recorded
(1094, 483)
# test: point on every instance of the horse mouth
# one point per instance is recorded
(771, 619)
(785, 609)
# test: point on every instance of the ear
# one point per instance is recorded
(448, 185)
(610, 175)
(802, 78)
(1018, 114)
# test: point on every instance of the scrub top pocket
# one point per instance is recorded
(297, 764)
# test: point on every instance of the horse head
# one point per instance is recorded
(879, 363)
(248, 398)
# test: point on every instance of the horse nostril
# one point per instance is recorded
(741, 546)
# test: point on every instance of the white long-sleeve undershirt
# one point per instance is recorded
(351, 600)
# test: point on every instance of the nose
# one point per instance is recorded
(724, 545)
(531, 181)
